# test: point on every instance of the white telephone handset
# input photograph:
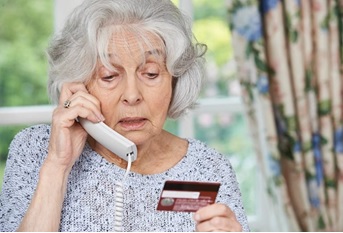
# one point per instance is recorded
(110, 139)
(122, 147)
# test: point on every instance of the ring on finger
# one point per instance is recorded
(66, 104)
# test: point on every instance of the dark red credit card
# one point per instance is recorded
(187, 196)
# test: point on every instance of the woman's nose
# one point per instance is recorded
(131, 92)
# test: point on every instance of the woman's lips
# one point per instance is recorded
(132, 123)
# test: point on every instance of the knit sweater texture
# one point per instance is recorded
(89, 203)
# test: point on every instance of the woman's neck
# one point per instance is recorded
(155, 156)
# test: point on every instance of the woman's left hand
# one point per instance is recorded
(216, 217)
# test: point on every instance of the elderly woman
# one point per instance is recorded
(130, 64)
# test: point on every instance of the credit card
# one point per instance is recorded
(187, 196)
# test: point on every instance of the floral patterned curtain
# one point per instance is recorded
(289, 57)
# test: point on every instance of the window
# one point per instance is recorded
(25, 29)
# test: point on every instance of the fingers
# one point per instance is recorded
(86, 105)
(67, 139)
(216, 217)
(66, 117)
(81, 103)
(211, 211)
(68, 89)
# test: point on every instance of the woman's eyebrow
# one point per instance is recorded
(154, 52)
(159, 54)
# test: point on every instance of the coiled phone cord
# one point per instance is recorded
(119, 199)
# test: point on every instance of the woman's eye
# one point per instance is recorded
(109, 77)
(151, 75)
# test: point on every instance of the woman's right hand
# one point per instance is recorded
(67, 137)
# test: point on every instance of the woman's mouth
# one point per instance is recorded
(132, 123)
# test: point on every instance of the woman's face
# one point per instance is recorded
(135, 97)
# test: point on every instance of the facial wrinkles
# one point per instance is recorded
(127, 54)
(132, 52)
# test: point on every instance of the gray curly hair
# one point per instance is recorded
(74, 52)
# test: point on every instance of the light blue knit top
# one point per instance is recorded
(89, 201)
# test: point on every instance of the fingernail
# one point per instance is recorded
(100, 118)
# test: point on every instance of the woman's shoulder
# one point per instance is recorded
(203, 149)
(207, 156)
(32, 138)
(32, 132)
